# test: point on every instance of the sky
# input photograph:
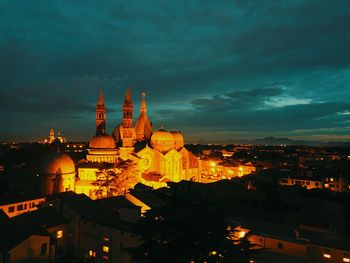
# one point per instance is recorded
(219, 71)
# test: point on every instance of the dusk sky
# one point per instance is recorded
(216, 70)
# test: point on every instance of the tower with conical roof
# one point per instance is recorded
(143, 126)
(100, 115)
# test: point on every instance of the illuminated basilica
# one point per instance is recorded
(158, 157)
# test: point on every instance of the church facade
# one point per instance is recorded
(157, 156)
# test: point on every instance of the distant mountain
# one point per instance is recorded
(287, 141)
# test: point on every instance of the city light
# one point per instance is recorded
(59, 234)
(325, 255)
(105, 249)
(242, 234)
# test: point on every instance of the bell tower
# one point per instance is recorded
(100, 115)
(127, 120)
(128, 129)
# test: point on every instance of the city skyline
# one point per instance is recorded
(217, 72)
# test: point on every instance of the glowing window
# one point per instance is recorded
(59, 234)
(325, 255)
(92, 253)
(105, 249)
(241, 234)
(106, 239)
(346, 259)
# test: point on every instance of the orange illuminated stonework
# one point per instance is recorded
(160, 156)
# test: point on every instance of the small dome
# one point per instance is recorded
(178, 139)
(162, 140)
(103, 141)
(58, 163)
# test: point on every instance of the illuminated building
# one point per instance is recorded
(223, 170)
(57, 174)
(36, 236)
(143, 127)
(99, 230)
(51, 138)
(102, 147)
(15, 207)
(293, 245)
(158, 157)
(334, 184)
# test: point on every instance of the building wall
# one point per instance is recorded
(105, 244)
(173, 165)
(130, 214)
(61, 236)
(15, 209)
(308, 184)
(284, 247)
(316, 253)
(31, 248)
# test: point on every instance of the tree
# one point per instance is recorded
(186, 231)
(114, 179)
(107, 181)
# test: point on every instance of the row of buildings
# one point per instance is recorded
(68, 226)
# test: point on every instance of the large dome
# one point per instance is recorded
(58, 163)
(162, 140)
(103, 141)
(178, 139)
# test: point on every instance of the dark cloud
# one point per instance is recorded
(240, 99)
(252, 66)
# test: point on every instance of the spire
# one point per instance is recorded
(100, 101)
(143, 108)
(127, 96)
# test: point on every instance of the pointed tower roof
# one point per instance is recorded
(143, 108)
(127, 96)
(101, 101)
(143, 126)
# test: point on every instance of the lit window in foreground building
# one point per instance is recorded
(241, 234)
(326, 255)
(59, 234)
(105, 249)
